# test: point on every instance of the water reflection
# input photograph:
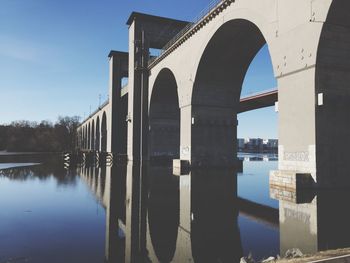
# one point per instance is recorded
(109, 185)
(319, 225)
(43, 172)
(147, 214)
(215, 236)
(48, 215)
(192, 218)
(163, 213)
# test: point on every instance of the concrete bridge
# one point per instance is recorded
(184, 103)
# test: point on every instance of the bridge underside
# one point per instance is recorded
(258, 101)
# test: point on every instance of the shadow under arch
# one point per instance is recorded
(104, 133)
(164, 118)
(97, 134)
(89, 138)
(332, 81)
(93, 135)
(216, 91)
(85, 137)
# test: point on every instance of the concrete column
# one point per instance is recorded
(116, 120)
(297, 127)
(185, 132)
(208, 136)
(138, 93)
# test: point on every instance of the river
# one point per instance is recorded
(147, 214)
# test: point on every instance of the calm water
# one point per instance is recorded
(146, 214)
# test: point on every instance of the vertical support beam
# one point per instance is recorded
(116, 119)
(138, 93)
(185, 132)
(297, 129)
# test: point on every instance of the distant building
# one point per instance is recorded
(240, 144)
(257, 145)
(270, 144)
(254, 145)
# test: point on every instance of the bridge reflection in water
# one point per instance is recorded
(155, 216)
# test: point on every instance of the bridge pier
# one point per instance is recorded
(143, 35)
(208, 137)
(118, 66)
(138, 92)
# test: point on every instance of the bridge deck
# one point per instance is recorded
(252, 102)
(258, 101)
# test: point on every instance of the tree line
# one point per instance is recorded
(26, 136)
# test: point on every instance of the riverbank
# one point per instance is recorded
(334, 256)
(4, 166)
(27, 157)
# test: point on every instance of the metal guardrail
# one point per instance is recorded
(94, 112)
(104, 104)
(213, 5)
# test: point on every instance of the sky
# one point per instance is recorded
(53, 57)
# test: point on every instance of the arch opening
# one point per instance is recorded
(98, 137)
(89, 138)
(104, 133)
(257, 121)
(93, 139)
(217, 90)
(85, 137)
(164, 118)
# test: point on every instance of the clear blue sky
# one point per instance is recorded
(53, 57)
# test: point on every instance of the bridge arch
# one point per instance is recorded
(332, 80)
(98, 134)
(85, 137)
(93, 138)
(164, 117)
(217, 88)
(89, 137)
(104, 132)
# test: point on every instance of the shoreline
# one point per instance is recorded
(334, 256)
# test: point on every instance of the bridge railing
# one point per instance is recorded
(212, 5)
(104, 104)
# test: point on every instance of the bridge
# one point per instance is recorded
(94, 137)
(183, 104)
